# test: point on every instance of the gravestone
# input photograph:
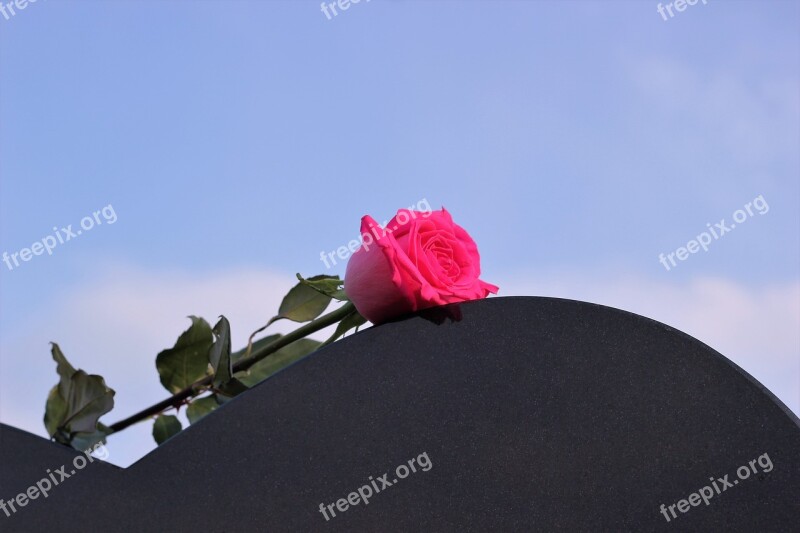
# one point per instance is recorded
(506, 414)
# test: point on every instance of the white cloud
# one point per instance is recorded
(116, 326)
(758, 328)
(754, 121)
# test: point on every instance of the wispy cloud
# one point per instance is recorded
(755, 327)
(753, 119)
(115, 326)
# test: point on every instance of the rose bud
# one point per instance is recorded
(421, 260)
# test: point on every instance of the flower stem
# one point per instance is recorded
(180, 397)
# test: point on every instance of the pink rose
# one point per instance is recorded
(422, 259)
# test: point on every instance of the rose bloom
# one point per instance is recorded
(422, 259)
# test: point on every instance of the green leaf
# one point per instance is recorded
(353, 320)
(55, 411)
(89, 399)
(64, 369)
(222, 399)
(232, 387)
(200, 408)
(277, 361)
(187, 361)
(256, 346)
(85, 441)
(75, 405)
(165, 427)
(302, 303)
(219, 356)
(328, 285)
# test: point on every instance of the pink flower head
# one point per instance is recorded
(421, 259)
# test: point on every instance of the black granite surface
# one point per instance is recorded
(521, 414)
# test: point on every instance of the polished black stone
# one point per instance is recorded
(536, 414)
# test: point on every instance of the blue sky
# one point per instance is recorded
(576, 141)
